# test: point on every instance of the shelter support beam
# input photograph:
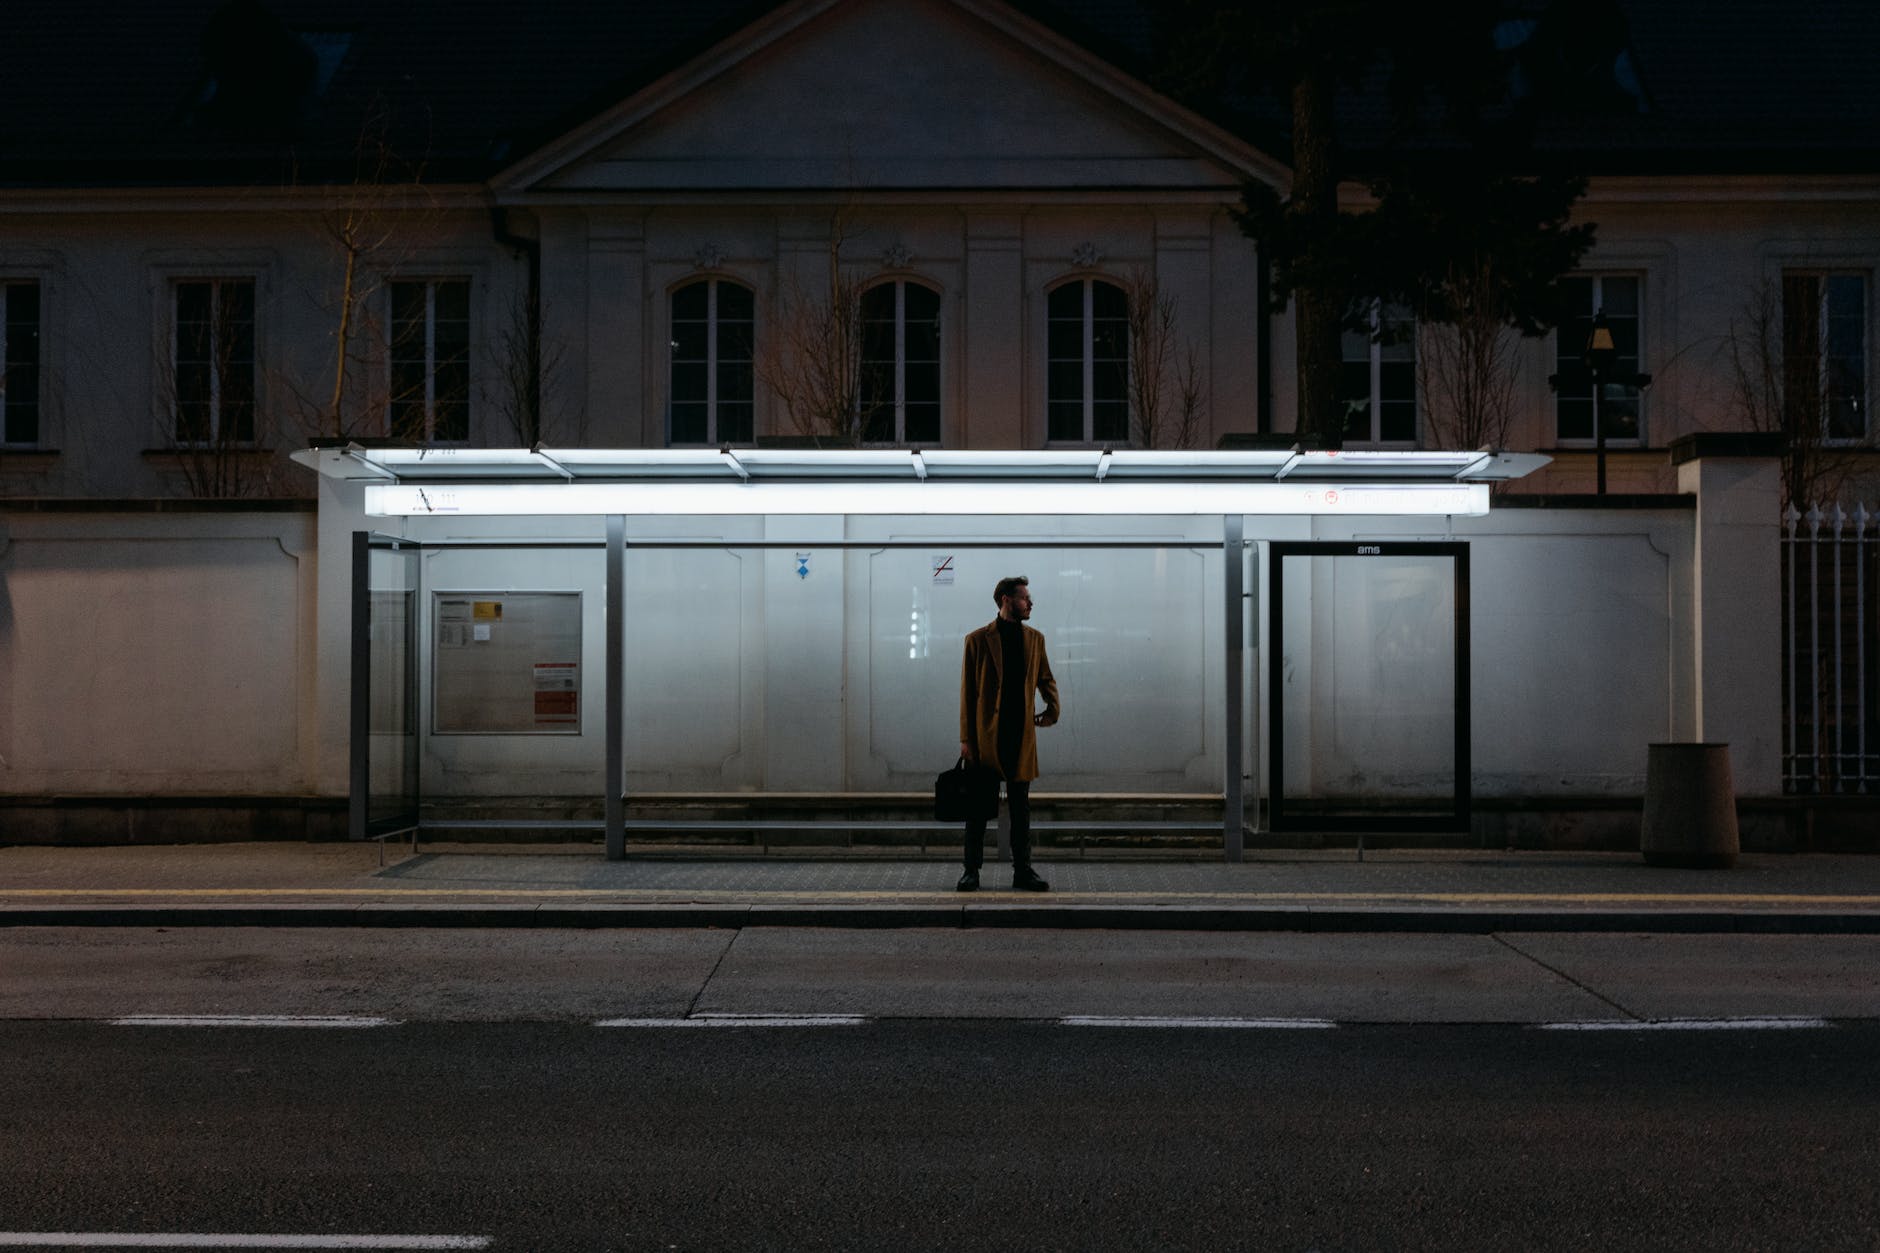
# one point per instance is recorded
(360, 716)
(615, 635)
(1233, 560)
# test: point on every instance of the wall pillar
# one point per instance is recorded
(567, 282)
(991, 412)
(618, 412)
(1736, 606)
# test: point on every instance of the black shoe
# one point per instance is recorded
(1025, 879)
(969, 882)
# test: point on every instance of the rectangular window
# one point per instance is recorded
(712, 369)
(19, 380)
(1824, 355)
(1377, 381)
(213, 361)
(1087, 363)
(1622, 406)
(899, 396)
(429, 397)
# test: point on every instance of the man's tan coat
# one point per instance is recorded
(982, 674)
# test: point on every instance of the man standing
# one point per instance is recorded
(1004, 670)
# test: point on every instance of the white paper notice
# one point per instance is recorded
(480, 631)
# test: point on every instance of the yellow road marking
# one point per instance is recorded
(1256, 896)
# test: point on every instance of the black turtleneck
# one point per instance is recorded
(1012, 711)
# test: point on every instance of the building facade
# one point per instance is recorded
(956, 224)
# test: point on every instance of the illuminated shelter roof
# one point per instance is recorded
(704, 481)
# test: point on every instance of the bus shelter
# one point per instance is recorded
(757, 622)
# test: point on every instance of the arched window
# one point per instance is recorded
(711, 380)
(1087, 363)
(899, 395)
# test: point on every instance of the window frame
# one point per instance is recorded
(1088, 399)
(8, 282)
(713, 433)
(1821, 274)
(900, 284)
(431, 282)
(173, 418)
(1374, 393)
(1563, 364)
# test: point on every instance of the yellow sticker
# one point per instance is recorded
(489, 611)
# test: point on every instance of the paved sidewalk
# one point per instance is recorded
(301, 884)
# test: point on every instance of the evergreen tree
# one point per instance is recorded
(1462, 82)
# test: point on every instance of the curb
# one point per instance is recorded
(1290, 918)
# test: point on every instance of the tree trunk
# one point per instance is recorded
(1320, 307)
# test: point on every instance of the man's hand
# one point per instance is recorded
(966, 751)
(1037, 720)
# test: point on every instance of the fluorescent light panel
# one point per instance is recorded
(972, 499)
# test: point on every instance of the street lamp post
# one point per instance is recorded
(1598, 363)
(1598, 357)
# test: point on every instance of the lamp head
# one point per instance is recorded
(1601, 351)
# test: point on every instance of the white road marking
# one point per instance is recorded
(742, 1020)
(250, 1020)
(1244, 1024)
(226, 1240)
(1689, 1024)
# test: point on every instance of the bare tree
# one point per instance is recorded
(1166, 395)
(1468, 368)
(525, 371)
(218, 433)
(368, 227)
(1777, 386)
(811, 361)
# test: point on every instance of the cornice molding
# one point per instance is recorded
(458, 197)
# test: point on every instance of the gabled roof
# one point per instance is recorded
(124, 93)
(894, 95)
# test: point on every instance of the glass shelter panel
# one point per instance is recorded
(511, 683)
(695, 655)
(836, 669)
(391, 742)
(1132, 639)
(1368, 685)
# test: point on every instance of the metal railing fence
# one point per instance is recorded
(1830, 651)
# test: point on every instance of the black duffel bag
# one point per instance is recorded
(966, 792)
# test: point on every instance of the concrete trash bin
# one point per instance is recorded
(1690, 807)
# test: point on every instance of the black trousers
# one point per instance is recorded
(1018, 803)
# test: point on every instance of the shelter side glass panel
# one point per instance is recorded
(837, 670)
(1134, 641)
(513, 684)
(1368, 686)
(392, 744)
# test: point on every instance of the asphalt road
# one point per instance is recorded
(1353, 1092)
(951, 1134)
(432, 975)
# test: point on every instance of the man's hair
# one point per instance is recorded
(1008, 587)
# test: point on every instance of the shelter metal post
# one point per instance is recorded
(1233, 558)
(615, 633)
(358, 813)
